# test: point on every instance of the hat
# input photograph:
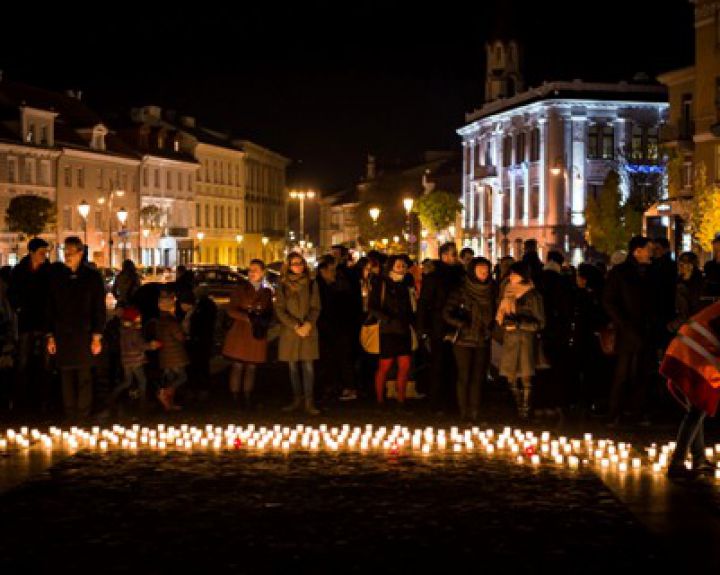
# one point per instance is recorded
(130, 314)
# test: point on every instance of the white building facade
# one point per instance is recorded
(531, 161)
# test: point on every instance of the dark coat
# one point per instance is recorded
(666, 274)
(688, 301)
(125, 286)
(712, 278)
(240, 345)
(630, 302)
(28, 292)
(167, 330)
(75, 312)
(133, 345)
(557, 292)
(341, 313)
(474, 329)
(391, 303)
(436, 289)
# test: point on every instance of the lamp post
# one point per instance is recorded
(408, 203)
(122, 215)
(84, 210)
(301, 196)
(200, 236)
(146, 235)
(264, 241)
(108, 199)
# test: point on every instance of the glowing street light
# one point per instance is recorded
(84, 210)
(408, 203)
(374, 214)
(122, 215)
(301, 196)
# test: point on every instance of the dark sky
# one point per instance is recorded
(326, 84)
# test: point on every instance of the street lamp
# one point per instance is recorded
(409, 203)
(84, 210)
(374, 214)
(122, 216)
(301, 196)
(264, 241)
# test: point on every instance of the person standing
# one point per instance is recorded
(630, 302)
(392, 303)
(471, 311)
(521, 317)
(688, 292)
(297, 307)
(437, 286)
(172, 356)
(199, 329)
(126, 283)
(76, 318)
(246, 342)
(28, 294)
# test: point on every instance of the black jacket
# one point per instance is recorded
(630, 299)
(390, 302)
(28, 293)
(471, 310)
(341, 312)
(75, 311)
(436, 289)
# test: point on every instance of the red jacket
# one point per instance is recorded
(692, 361)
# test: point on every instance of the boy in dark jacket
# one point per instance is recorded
(172, 355)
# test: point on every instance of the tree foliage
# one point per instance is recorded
(610, 221)
(437, 210)
(705, 215)
(152, 217)
(30, 215)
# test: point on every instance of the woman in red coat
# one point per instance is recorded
(246, 341)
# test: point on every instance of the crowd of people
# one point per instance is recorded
(562, 340)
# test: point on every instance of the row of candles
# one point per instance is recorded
(524, 446)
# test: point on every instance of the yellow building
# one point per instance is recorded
(693, 128)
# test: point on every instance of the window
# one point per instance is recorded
(535, 145)
(98, 220)
(29, 171)
(168, 179)
(686, 127)
(519, 203)
(593, 151)
(157, 178)
(215, 216)
(44, 179)
(197, 215)
(237, 217)
(687, 175)
(189, 183)
(12, 170)
(229, 217)
(180, 182)
(534, 202)
(652, 144)
(507, 151)
(207, 216)
(30, 136)
(237, 175)
(44, 136)
(222, 216)
(505, 206)
(67, 176)
(81, 177)
(146, 177)
(608, 143)
(520, 148)
(67, 218)
(637, 143)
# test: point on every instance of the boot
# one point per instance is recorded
(171, 400)
(412, 392)
(310, 408)
(294, 406)
(163, 398)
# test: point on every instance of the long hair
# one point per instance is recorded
(286, 265)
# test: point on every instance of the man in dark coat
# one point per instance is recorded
(533, 262)
(76, 317)
(437, 286)
(631, 303)
(28, 293)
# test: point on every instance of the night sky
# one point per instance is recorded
(326, 85)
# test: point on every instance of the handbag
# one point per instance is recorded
(370, 332)
(607, 337)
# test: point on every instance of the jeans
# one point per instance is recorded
(174, 377)
(136, 373)
(472, 366)
(76, 392)
(308, 379)
(690, 437)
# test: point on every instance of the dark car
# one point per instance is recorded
(217, 281)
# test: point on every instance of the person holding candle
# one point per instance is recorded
(297, 308)
(246, 342)
(520, 315)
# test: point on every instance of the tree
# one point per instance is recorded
(705, 215)
(30, 215)
(152, 217)
(437, 210)
(610, 222)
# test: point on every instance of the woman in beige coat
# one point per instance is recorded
(297, 306)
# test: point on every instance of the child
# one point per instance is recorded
(172, 357)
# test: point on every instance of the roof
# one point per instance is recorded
(575, 90)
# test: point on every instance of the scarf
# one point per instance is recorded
(553, 267)
(256, 285)
(479, 298)
(513, 292)
(296, 281)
